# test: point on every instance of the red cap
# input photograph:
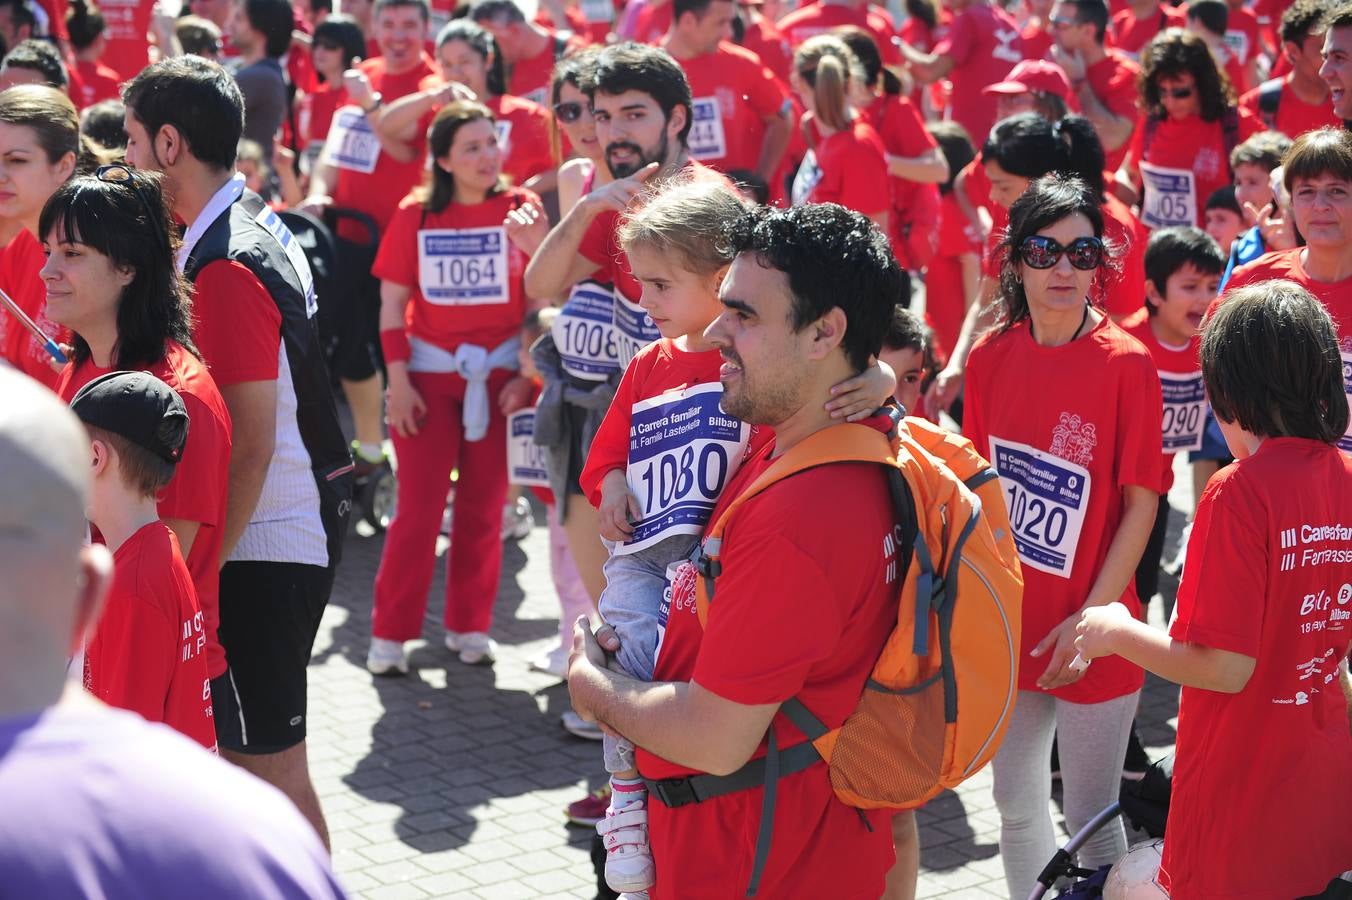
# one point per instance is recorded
(1033, 75)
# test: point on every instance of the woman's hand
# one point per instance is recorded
(618, 507)
(527, 227)
(404, 406)
(1059, 647)
(515, 394)
(941, 394)
(859, 397)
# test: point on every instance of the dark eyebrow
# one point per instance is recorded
(740, 306)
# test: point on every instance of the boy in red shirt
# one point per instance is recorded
(148, 652)
(1263, 770)
(1183, 268)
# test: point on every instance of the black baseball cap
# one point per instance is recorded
(136, 406)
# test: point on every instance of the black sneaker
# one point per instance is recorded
(1133, 769)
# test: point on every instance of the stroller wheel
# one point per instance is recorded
(377, 499)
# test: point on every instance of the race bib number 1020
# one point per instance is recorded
(682, 450)
(1047, 497)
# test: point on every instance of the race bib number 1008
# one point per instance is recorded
(682, 450)
(1047, 497)
(463, 266)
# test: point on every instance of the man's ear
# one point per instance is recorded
(168, 145)
(828, 333)
(680, 114)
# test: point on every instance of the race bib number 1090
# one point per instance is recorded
(1184, 411)
(463, 266)
(1047, 497)
(682, 450)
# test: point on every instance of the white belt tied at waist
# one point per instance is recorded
(472, 363)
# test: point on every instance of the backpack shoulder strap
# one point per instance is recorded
(1230, 131)
(1269, 100)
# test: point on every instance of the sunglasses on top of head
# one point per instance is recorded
(1038, 252)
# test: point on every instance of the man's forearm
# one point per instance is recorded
(1113, 131)
(248, 469)
(773, 145)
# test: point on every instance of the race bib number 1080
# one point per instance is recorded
(526, 464)
(1047, 497)
(682, 450)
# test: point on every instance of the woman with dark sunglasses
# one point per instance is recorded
(472, 68)
(337, 45)
(111, 279)
(1067, 407)
(1191, 121)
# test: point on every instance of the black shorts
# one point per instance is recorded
(270, 615)
(357, 355)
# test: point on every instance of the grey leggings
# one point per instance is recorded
(1092, 745)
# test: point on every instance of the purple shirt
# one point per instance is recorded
(100, 804)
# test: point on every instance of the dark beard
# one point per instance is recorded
(627, 169)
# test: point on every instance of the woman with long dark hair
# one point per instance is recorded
(1180, 152)
(452, 306)
(111, 280)
(1067, 407)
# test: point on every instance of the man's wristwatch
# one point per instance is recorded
(376, 100)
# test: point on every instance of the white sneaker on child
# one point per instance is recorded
(629, 861)
(555, 662)
(386, 657)
(474, 647)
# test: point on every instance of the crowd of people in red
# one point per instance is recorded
(539, 221)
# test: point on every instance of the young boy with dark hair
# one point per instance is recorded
(1264, 617)
(1253, 163)
(1224, 218)
(148, 652)
(1182, 271)
(908, 347)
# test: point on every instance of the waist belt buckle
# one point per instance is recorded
(674, 792)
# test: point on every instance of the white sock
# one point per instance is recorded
(626, 792)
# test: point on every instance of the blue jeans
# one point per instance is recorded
(629, 604)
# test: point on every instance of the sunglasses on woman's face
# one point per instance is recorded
(1180, 93)
(1038, 252)
(327, 45)
(569, 112)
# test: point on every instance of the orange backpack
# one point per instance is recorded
(938, 699)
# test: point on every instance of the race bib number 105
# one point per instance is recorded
(1170, 196)
(682, 450)
(1047, 497)
(463, 266)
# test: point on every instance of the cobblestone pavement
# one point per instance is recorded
(452, 782)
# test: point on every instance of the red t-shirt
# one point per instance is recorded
(1263, 777)
(652, 22)
(601, 244)
(769, 44)
(656, 369)
(1123, 291)
(1336, 297)
(126, 25)
(97, 83)
(1113, 81)
(818, 629)
(378, 193)
(903, 133)
(198, 490)
(522, 129)
(984, 44)
(1184, 395)
(148, 652)
(1190, 145)
(237, 326)
(851, 171)
(1067, 428)
(1130, 34)
(1037, 42)
(733, 94)
(20, 262)
(316, 111)
(530, 78)
(820, 18)
(945, 301)
(1243, 41)
(1294, 115)
(464, 274)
